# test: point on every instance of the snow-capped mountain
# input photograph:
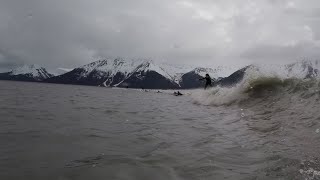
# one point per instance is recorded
(137, 73)
(60, 71)
(304, 69)
(300, 70)
(178, 71)
(116, 72)
(26, 73)
(192, 78)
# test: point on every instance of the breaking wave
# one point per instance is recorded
(254, 87)
(281, 108)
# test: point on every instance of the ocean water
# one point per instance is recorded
(265, 130)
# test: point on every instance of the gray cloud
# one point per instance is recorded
(68, 33)
(285, 54)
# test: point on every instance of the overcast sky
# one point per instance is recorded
(69, 33)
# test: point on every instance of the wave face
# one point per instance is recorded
(277, 105)
(268, 83)
(261, 88)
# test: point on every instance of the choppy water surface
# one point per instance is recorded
(67, 132)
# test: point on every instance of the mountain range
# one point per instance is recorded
(304, 69)
(147, 74)
(137, 74)
(27, 73)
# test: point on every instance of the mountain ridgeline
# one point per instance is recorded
(150, 75)
(33, 73)
(135, 74)
(303, 70)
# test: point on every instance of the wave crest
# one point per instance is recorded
(255, 86)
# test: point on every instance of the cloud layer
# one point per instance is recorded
(68, 33)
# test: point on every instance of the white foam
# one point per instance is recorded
(228, 95)
(219, 95)
(310, 173)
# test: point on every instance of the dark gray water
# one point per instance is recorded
(66, 132)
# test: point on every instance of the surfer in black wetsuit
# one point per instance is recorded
(208, 81)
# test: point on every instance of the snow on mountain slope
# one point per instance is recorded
(203, 71)
(151, 66)
(304, 69)
(136, 72)
(111, 66)
(112, 72)
(224, 71)
(60, 71)
(301, 69)
(26, 73)
(298, 70)
(143, 67)
(177, 71)
(35, 71)
(170, 71)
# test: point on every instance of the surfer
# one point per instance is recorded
(208, 81)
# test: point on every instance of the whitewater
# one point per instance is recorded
(264, 127)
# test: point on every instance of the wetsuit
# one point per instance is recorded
(208, 82)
